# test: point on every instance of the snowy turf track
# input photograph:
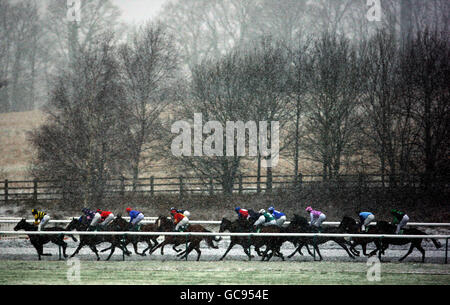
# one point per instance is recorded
(21, 249)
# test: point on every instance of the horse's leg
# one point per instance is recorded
(342, 244)
(279, 254)
(81, 245)
(94, 249)
(411, 248)
(161, 244)
(265, 254)
(298, 249)
(113, 248)
(228, 250)
(318, 252)
(150, 245)
(135, 246)
(422, 250)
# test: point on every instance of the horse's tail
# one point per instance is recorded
(210, 240)
(436, 243)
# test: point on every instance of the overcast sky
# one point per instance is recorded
(137, 11)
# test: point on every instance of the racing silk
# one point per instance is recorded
(178, 217)
(364, 215)
(38, 217)
(268, 217)
(243, 213)
(398, 215)
(133, 215)
(105, 214)
(278, 214)
(315, 214)
(89, 214)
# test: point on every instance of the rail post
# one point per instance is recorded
(6, 191)
(122, 186)
(35, 187)
(181, 185)
(211, 186)
(185, 253)
(240, 184)
(249, 247)
(152, 186)
(314, 246)
(446, 249)
(123, 242)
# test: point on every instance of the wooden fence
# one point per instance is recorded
(47, 190)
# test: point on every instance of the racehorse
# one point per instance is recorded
(193, 242)
(237, 226)
(349, 225)
(384, 227)
(92, 240)
(272, 243)
(38, 241)
(297, 225)
(151, 240)
(318, 240)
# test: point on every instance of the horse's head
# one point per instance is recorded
(300, 221)
(347, 223)
(73, 224)
(385, 227)
(224, 225)
(253, 216)
(164, 224)
(119, 222)
(21, 225)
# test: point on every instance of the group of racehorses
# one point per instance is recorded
(272, 244)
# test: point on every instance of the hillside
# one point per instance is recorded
(15, 151)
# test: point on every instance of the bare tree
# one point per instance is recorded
(149, 64)
(82, 145)
(425, 76)
(331, 116)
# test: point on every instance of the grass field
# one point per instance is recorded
(219, 273)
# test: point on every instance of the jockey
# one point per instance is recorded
(135, 217)
(266, 219)
(400, 219)
(105, 218)
(184, 212)
(317, 217)
(40, 218)
(242, 213)
(181, 221)
(89, 214)
(280, 217)
(365, 218)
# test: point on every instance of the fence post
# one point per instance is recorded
(446, 250)
(181, 185)
(122, 186)
(299, 181)
(211, 186)
(35, 182)
(6, 191)
(240, 184)
(249, 247)
(152, 186)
